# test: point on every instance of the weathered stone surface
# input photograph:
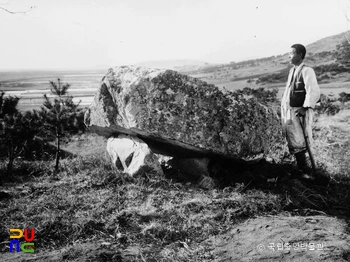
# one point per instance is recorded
(131, 155)
(182, 116)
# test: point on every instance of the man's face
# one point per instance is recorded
(294, 58)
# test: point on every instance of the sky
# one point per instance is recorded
(86, 34)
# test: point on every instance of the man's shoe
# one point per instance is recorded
(299, 174)
(302, 163)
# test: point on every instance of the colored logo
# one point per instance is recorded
(27, 246)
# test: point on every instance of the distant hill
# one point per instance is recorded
(327, 55)
(327, 44)
(179, 65)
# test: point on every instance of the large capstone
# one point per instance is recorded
(182, 116)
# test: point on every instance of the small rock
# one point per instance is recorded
(207, 182)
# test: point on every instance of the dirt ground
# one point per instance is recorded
(272, 238)
(284, 238)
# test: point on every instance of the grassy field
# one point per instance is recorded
(89, 211)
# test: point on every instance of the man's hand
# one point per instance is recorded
(301, 111)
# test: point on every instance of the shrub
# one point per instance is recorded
(263, 96)
(326, 106)
(343, 53)
(278, 77)
(17, 129)
(344, 97)
(334, 68)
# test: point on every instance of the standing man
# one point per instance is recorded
(300, 97)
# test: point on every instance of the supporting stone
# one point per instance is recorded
(132, 156)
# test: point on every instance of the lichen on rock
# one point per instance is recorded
(180, 115)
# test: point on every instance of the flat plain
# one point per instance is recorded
(30, 86)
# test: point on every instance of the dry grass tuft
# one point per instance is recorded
(332, 144)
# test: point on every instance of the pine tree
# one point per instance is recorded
(61, 115)
(17, 129)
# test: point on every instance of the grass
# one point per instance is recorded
(332, 143)
(89, 211)
(143, 217)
